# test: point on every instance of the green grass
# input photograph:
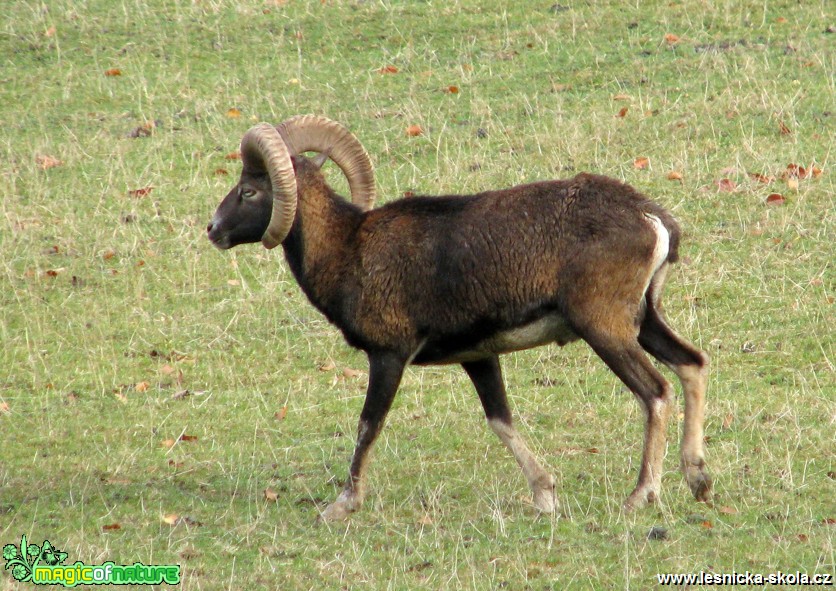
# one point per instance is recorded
(112, 303)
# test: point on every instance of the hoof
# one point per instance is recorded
(699, 481)
(544, 496)
(339, 510)
(641, 497)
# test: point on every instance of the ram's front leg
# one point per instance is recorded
(385, 371)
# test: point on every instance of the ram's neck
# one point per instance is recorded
(320, 250)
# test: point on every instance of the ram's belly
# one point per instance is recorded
(548, 329)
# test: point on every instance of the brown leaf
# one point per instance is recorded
(707, 524)
(388, 69)
(233, 113)
(50, 32)
(185, 437)
(45, 162)
(221, 172)
(167, 369)
(622, 112)
(4, 407)
(271, 495)
(727, 421)
(327, 366)
(280, 414)
(142, 386)
(784, 129)
(792, 183)
(414, 130)
(641, 163)
(782, 20)
(815, 171)
(671, 39)
(674, 176)
(233, 156)
(452, 90)
(113, 72)
(171, 518)
(111, 527)
(621, 97)
(141, 192)
(72, 398)
(802, 537)
(726, 185)
(351, 373)
(761, 178)
(775, 199)
(727, 510)
(168, 443)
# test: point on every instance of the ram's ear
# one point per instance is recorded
(313, 133)
(320, 159)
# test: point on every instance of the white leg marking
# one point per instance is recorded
(540, 481)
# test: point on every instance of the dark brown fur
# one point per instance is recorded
(434, 280)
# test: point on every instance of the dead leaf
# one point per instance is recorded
(815, 171)
(185, 437)
(72, 398)
(728, 420)
(4, 407)
(111, 527)
(674, 176)
(113, 72)
(181, 394)
(707, 524)
(271, 495)
(761, 178)
(775, 199)
(351, 373)
(233, 282)
(140, 192)
(233, 156)
(414, 131)
(108, 254)
(802, 537)
(388, 69)
(327, 366)
(452, 90)
(727, 510)
(784, 129)
(726, 185)
(167, 369)
(792, 183)
(50, 32)
(622, 112)
(142, 386)
(621, 97)
(641, 163)
(233, 113)
(782, 20)
(168, 443)
(171, 518)
(671, 39)
(221, 172)
(280, 414)
(45, 162)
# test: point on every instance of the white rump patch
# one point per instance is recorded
(663, 242)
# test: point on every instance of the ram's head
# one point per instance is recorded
(262, 206)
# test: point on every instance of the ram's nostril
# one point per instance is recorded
(210, 226)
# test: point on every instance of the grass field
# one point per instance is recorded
(167, 403)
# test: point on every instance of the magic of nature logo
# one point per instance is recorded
(42, 565)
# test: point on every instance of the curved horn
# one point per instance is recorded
(305, 133)
(263, 151)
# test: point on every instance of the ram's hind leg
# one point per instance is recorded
(486, 376)
(691, 366)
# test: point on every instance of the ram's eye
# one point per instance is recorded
(248, 193)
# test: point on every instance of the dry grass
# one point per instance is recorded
(112, 303)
